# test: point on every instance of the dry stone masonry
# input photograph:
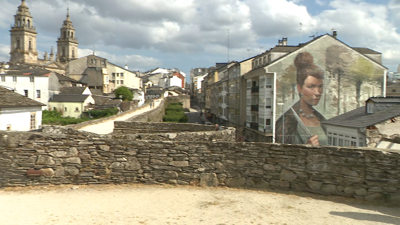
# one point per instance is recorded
(74, 157)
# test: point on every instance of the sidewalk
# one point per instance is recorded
(107, 127)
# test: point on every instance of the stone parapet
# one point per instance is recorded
(43, 159)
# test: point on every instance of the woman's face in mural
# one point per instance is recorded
(311, 90)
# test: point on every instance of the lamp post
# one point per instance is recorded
(283, 123)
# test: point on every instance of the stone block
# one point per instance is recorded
(269, 167)
(59, 154)
(188, 175)
(117, 165)
(235, 182)
(71, 170)
(60, 172)
(349, 190)
(284, 184)
(104, 148)
(361, 192)
(45, 160)
(179, 163)
(74, 160)
(209, 180)
(315, 185)
(328, 188)
(288, 175)
(48, 172)
(170, 174)
(72, 152)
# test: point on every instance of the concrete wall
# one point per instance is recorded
(42, 159)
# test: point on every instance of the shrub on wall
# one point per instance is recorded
(55, 118)
(174, 113)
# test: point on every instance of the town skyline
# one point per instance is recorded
(193, 34)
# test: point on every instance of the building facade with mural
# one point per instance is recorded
(292, 89)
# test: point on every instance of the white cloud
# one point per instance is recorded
(279, 18)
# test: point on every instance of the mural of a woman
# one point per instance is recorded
(301, 123)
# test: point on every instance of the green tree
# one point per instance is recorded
(362, 71)
(124, 93)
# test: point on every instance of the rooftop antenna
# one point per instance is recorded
(94, 50)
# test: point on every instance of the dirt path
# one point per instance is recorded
(138, 204)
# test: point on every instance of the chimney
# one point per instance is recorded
(126, 66)
(284, 41)
(334, 33)
(280, 42)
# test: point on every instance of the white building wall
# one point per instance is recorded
(175, 82)
(19, 119)
(23, 83)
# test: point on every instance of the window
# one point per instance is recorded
(117, 74)
(26, 93)
(76, 109)
(37, 93)
(122, 74)
(113, 74)
(122, 82)
(268, 122)
(33, 121)
(117, 81)
(14, 78)
(30, 45)
(32, 79)
(3, 79)
(269, 82)
(268, 103)
(65, 109)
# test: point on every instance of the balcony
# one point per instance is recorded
(254, 108)
(254, 125)
(255, 89)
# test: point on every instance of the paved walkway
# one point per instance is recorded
(107, 127)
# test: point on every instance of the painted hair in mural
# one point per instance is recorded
(301, 123)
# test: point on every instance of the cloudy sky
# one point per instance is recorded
(186, 34)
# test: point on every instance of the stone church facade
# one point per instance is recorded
(24, 47)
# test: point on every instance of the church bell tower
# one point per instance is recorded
(67, 44)
(23, 37)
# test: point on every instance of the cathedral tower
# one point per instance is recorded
(23, 37)
(67, 44)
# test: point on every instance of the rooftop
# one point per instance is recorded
(12, 99)
(358, 118)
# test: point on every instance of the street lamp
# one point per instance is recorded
(283, 122)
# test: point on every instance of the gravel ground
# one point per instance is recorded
(140, 204)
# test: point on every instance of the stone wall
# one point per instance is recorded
(156, 115)
(122, 127)
(43, 159)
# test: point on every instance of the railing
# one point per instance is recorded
(254, 108)
(255, 89)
